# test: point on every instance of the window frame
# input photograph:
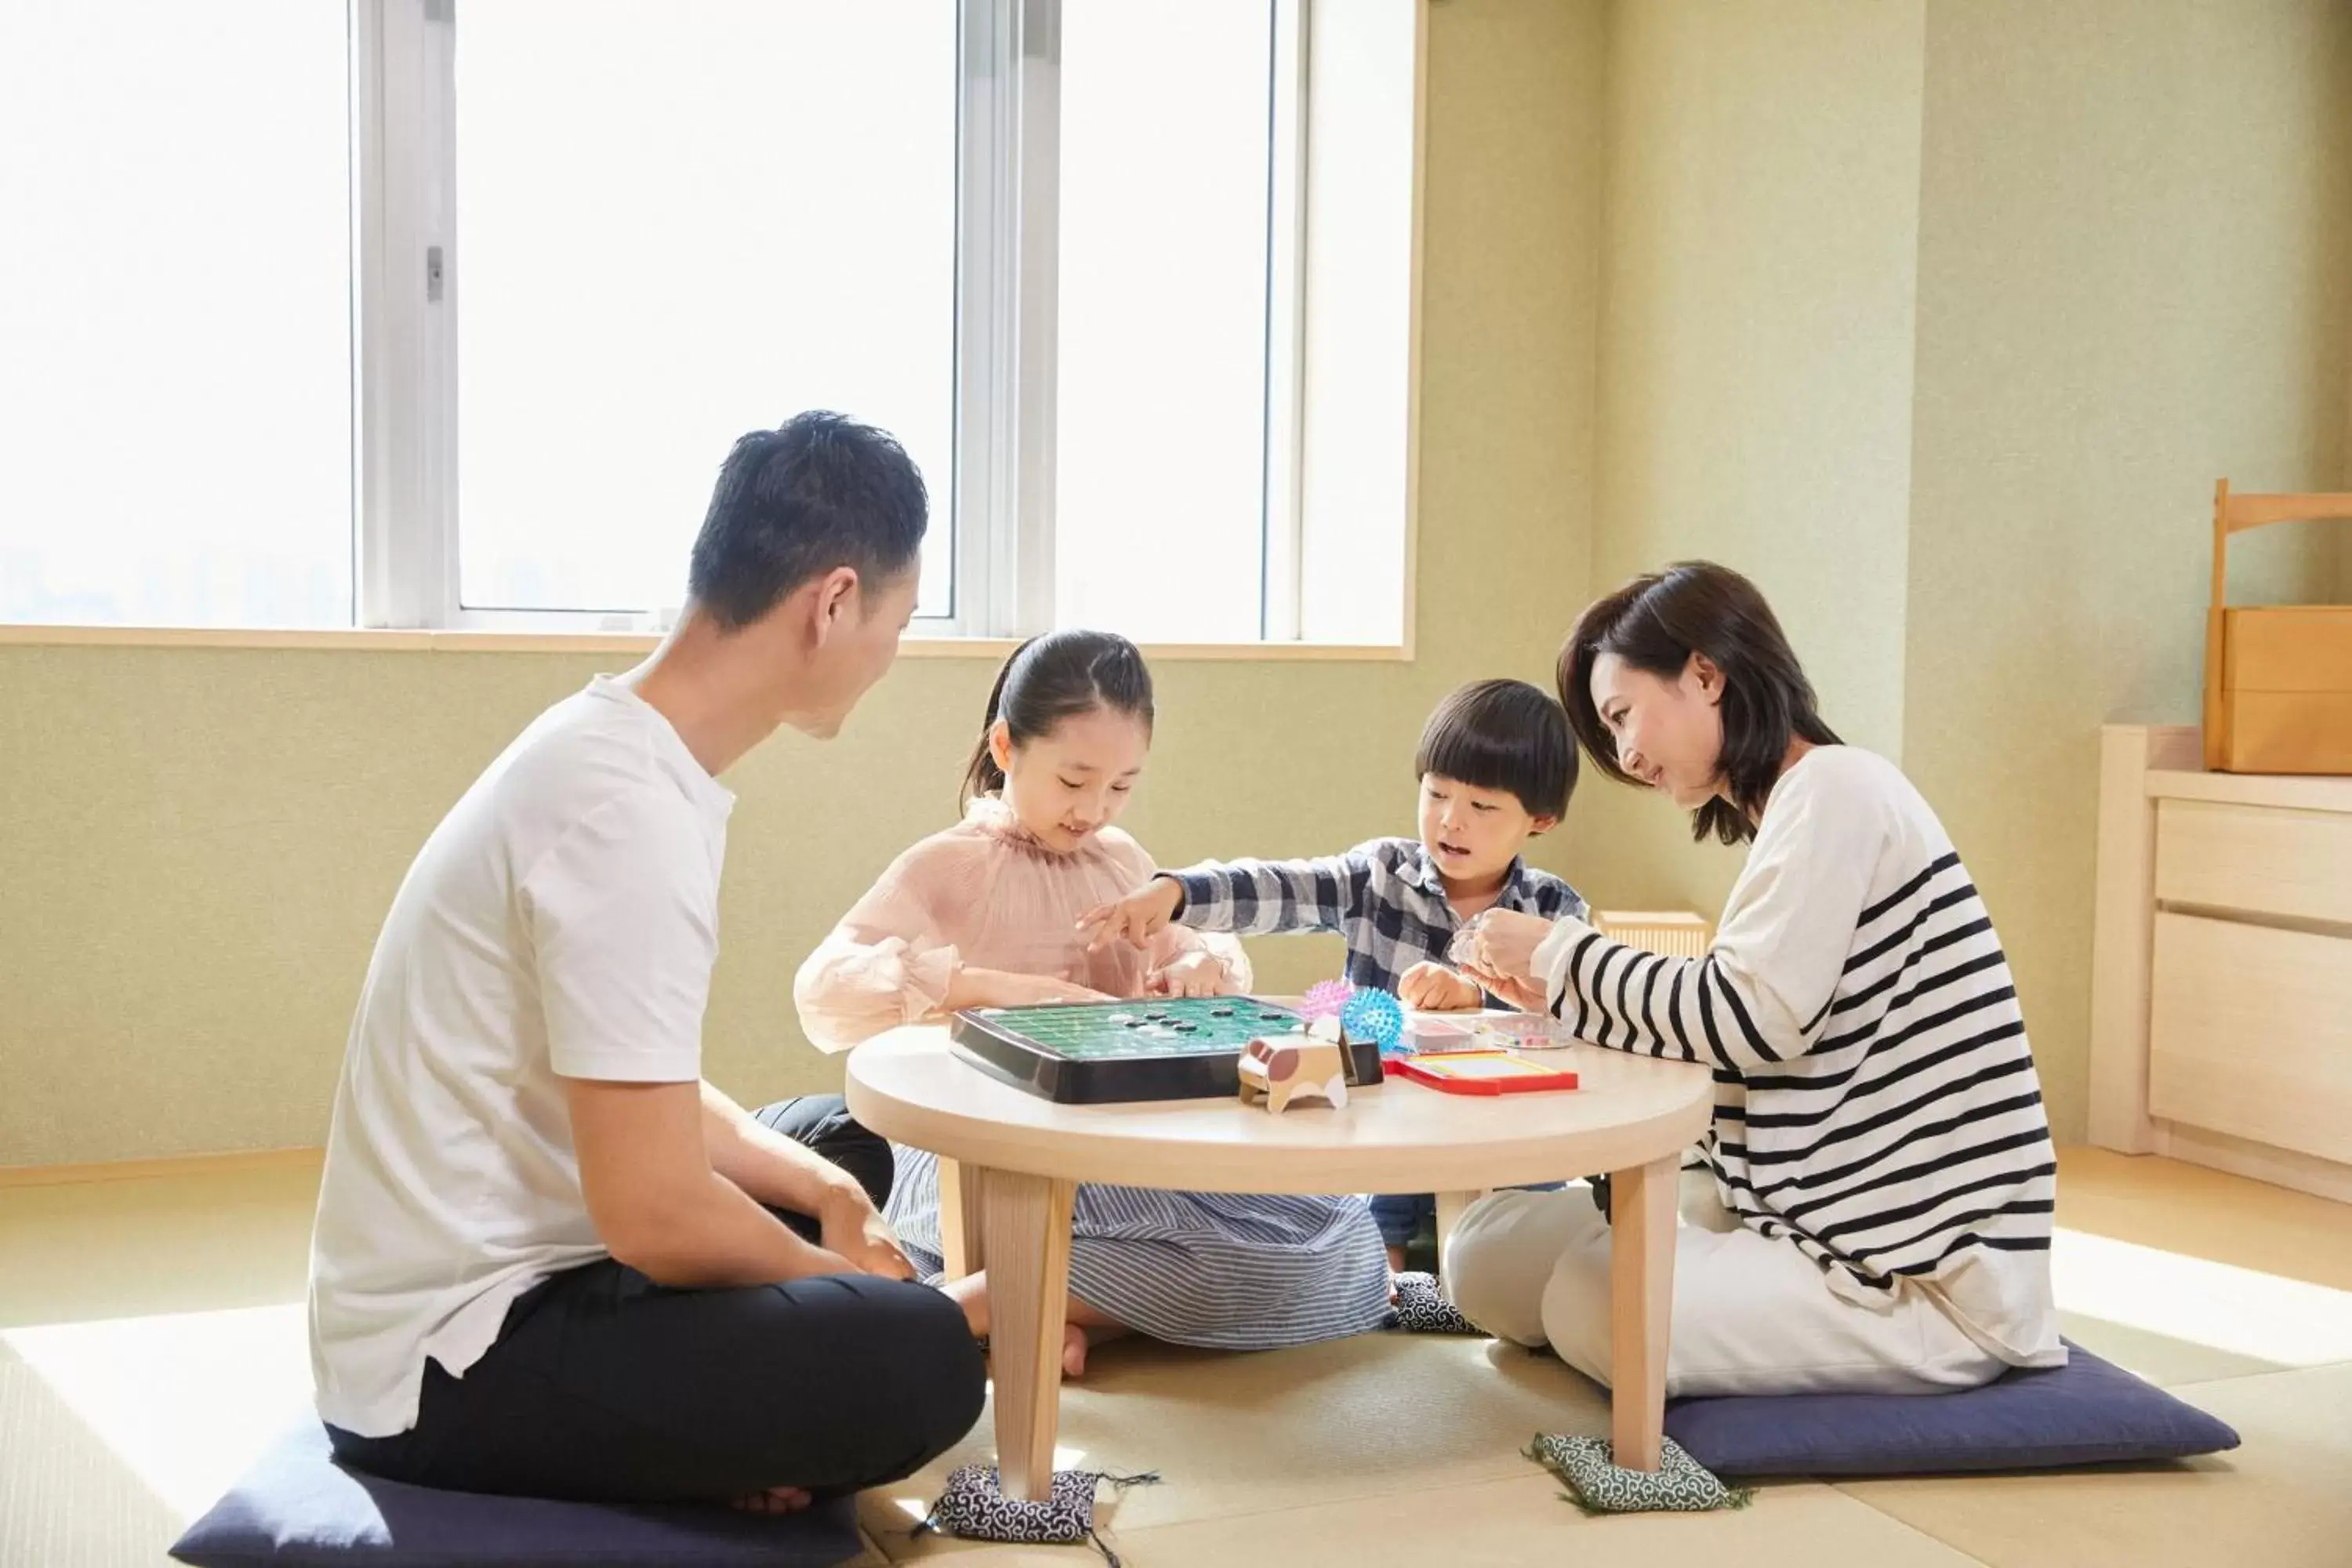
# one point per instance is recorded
(1342, 438)
(1001, 499)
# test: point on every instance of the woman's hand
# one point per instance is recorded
(1137, 918)
(1193, 973)
(1501, 952)
(1433, 988)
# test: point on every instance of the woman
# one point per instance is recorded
(1875, 1207)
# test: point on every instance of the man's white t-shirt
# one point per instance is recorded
(561, 922)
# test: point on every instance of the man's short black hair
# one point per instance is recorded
(819, 492)
(1502, 735)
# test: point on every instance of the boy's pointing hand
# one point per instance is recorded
(1135, 918)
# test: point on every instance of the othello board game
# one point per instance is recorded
(1100, 1053)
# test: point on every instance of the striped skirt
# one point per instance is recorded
(1225, 1270)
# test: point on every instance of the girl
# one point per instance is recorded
(985, 914)
(1875, 1207)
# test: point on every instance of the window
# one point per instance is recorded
(175, 383)
(1161, 387)
(430, 314)
(674, 225)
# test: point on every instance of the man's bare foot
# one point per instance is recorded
(971, 1293)
(775, 1500)
(1074, 1351)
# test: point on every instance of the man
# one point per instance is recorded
(548, 1259)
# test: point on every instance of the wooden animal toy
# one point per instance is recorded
(1278, 1072)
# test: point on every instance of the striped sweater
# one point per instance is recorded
(1875, 1099)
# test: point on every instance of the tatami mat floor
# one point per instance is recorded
(150, 1342)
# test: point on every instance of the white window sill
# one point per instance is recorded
(994, 650)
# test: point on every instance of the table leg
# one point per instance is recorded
(964, 1240)
(1026, 1222)
(1642, 1283)
(1449, 1213)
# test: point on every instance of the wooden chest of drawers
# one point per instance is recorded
(2221, 974)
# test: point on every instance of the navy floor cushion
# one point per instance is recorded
(2087, 1412)
(296, 1505)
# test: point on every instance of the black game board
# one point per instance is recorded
(1097, 1053)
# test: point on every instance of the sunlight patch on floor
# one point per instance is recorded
(186, 1400)
(2286, 1322)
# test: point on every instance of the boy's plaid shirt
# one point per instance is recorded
(1385, 898)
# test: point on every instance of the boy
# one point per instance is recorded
(1497, 768)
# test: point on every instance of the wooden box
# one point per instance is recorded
(2278, 679)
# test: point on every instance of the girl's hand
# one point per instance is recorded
(1501, 952)
(1001, 988)
(1137, 918)
(1433, 988)
(1193, 974)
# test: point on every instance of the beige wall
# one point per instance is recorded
(1940, 321)
(1760, 231)
(1938, 316)
(199, 844)
(2134, 274)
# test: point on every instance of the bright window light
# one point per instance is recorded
(175, 323)
(677, 224)
(1160, 515)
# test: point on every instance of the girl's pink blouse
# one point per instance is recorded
(985, 895)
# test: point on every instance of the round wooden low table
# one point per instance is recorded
(1008, 1163)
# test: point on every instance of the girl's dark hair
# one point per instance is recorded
(1051, 677)
(1655, 623)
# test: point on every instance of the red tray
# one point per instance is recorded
(1458, 1072)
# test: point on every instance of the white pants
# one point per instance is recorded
(1752, 1315)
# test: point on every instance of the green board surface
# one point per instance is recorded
(1174, 1026)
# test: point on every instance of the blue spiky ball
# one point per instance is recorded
(1374, 1015)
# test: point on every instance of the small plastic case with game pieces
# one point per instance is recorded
(1523, 1032)
(1426, 1034)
